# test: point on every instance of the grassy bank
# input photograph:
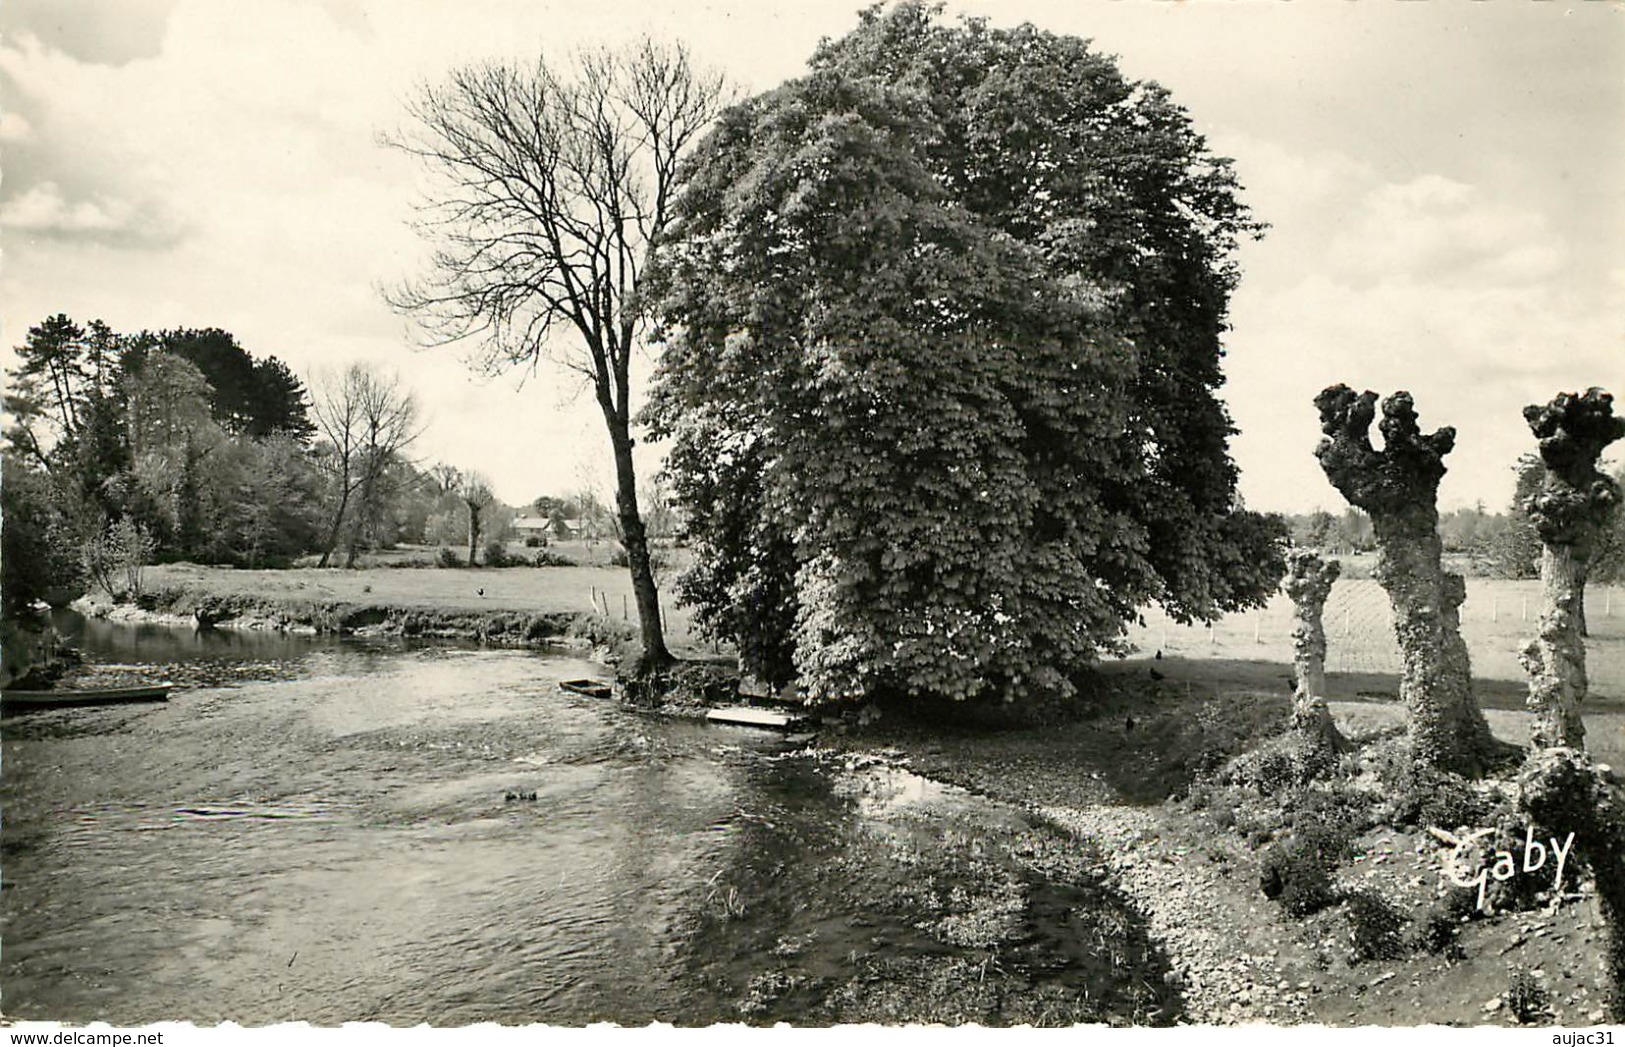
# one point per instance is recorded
(509, 604)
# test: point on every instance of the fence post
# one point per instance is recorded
(1525, 611)
(624, 615)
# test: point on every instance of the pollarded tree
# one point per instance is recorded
(555, 184)
(1560, 786)
(1398, 488)
(942, 325)
(1571, 509)
(1309, 583)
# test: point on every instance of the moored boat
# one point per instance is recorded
(153, 692)
(590, 688)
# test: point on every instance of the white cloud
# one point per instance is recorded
(43, 210)
(14, 127)
(1443, 230)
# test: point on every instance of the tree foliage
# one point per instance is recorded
(943, 323)
(106, 427)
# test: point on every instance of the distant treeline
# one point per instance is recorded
(1496, 544)
(182, 445)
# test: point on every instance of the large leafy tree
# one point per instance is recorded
(943, 323)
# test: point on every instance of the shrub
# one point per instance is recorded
(534, 541)
(1297, 878)
(1440, 923)
(1374, 926)
(1526, 997)
(618, 558)
(547, 558)
(1297, 871)
(116, 555)
(448, 558)
(496, 555)
(1418, 795)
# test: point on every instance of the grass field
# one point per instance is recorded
(604, 589)
(1498, 617)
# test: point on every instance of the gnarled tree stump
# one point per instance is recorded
(1570, 509)
(1309, 582)
(1398, 488)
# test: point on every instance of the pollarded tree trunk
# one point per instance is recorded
(1309, 582)
(1398, 488)
(1573, 505)
(1555, 657)
(1561, 787)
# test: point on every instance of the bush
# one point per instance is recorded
(1375, 927)
(496, 555)
(1419, 795)
(1526, 997)
(448, 558)
(1297, 878)
(1297, 871)
(114, 559)
(1440, 923)
(534, 541)
(547, 558)
(618, 558)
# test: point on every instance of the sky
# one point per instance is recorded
(1441, 179)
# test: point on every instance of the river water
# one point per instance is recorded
(343, 831)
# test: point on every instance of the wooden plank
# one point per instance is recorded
(744, 716)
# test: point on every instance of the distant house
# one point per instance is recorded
(531, 527)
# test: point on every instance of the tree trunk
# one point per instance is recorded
(1309, 583)
(332, 542)
(1555, 658)
(1398, 488)
(359, 521)
(1447, 728)
(473, 533)
(635, 539)
(1561, 787)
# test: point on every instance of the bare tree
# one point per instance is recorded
(555, 189)
(1560, 785)
(367, 420)
(1570, 510)
(475, 491)
(1398, 487)
(1309, 583)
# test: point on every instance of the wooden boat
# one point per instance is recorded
(590, 688)
(749, 716)
(152, 692)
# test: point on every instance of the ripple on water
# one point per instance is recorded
(332, 838)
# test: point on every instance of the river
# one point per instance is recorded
(330, 831)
